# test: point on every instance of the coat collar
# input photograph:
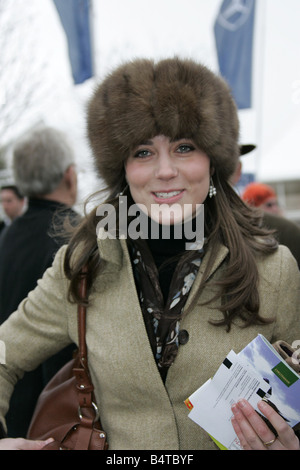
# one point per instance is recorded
(220, 254)
(112, 251)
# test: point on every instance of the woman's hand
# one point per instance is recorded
(253, 432)
(23, 444)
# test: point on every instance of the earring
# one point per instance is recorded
(212, 189)
(122, 193)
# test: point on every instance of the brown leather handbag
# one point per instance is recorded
(66, 409)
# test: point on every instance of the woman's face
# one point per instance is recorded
(168, 178)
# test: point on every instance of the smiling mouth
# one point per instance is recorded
(167, 195)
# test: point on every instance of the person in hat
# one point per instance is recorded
(263, 196)
(163, 309)
(285, 231)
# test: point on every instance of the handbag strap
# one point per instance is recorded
(81, 314)
(87, 408)
(81, 373)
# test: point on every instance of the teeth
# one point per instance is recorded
(167, 195)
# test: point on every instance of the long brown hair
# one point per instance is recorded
(227, 220)
(240, 228)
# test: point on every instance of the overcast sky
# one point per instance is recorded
(34, 65)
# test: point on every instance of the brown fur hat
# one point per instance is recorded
(176, 98)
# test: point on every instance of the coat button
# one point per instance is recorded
(183, 337)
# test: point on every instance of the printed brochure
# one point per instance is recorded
(257, 372)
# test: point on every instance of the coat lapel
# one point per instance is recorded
(221, 253)
(114, 252)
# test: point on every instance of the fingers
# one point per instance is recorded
(286, 435)
(23, 444)
(34, 445)
(253, 432)
(238, 430)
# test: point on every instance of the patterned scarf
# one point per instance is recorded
(162, 316)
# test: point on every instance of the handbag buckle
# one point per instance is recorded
(97, 415)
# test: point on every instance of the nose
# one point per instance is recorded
(165, 167)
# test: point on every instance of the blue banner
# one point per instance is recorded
(234, 31)
(75, 18)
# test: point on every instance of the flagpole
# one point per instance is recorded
(258, 77)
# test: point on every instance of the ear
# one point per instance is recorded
(70, 175)
(71, 182)
(212, 171)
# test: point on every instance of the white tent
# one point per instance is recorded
(281, 162)
(278, 91)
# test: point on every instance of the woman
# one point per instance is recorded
(162, 316)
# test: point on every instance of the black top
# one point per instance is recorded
(166, 251)
(166, 254)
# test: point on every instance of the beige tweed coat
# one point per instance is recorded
(137, 410)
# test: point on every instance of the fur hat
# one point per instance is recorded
(176, 98)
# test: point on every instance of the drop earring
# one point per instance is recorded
(122, 193)
(212, 189)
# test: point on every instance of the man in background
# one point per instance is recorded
(285, 231)
(45, 173)
(13, 204)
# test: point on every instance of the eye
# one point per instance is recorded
(185, 148)
(142, 153)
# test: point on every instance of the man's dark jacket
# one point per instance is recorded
(286, 232)
(27, 249)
